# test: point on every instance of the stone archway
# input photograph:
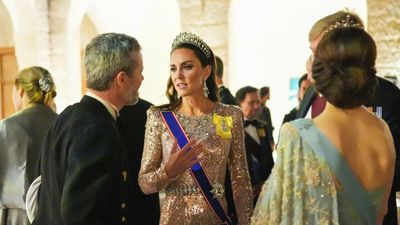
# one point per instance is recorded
(8, 63)
(6, 30)
(88, 31)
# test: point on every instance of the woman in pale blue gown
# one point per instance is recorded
(338, 167)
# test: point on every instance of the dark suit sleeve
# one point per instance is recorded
(395, 130)
(93, 165)
(270, 128)
(387, 97)
(226, 96)
(269, 161)
(290, 116)
(308, 99)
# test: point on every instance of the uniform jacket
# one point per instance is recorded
(145, 209)
(83, 169)
(259, 155)
(226, 97)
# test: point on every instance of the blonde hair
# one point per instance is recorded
(321, 25)
(37, 84)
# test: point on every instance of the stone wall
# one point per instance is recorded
(209, 20)
(384, 26)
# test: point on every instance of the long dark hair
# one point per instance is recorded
(172, 94)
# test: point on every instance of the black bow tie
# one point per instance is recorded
(250, 122)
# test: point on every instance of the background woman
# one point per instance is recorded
(21, 136)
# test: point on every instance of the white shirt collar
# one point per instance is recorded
(112, 109)
(252, 131)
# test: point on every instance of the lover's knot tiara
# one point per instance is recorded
(190, 38)
(348, 22)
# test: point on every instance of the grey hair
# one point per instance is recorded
(106, 55)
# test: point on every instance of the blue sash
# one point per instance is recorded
(196, 170)
(327, 151)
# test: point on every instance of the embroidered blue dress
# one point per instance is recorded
(301, 188)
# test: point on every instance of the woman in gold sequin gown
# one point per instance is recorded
(216, 135)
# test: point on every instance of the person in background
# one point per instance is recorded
(385, 103)
(258, 149)
(264, 114)
(224, 94)
(85, 179)
(209, 136)
(145, 209)
(303, 85)
(338, 167)
(21, 136)
(226, 97)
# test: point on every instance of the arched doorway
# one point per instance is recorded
(8, 63)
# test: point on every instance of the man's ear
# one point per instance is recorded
(120, 78)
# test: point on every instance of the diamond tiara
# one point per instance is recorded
(191, 38)
(348, 22)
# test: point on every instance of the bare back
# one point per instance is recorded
(367, 145)
(364, 141)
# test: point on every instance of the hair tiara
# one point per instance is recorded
(348, 22)
(191, 38)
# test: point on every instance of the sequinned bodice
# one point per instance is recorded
(222, 133)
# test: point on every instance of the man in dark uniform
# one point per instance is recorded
(386, 103)
(303, 85)
(145, 209)
(224, 94)
(264, 113)
(83, 160)
(311, 98)
(258, 148)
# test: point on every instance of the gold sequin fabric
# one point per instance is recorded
(221, 150)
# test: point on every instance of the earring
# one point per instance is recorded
(205, 89)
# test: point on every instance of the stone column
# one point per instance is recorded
(384, 26)
(209, 20)
(59, 51)
(65, 17)
(42, 33)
